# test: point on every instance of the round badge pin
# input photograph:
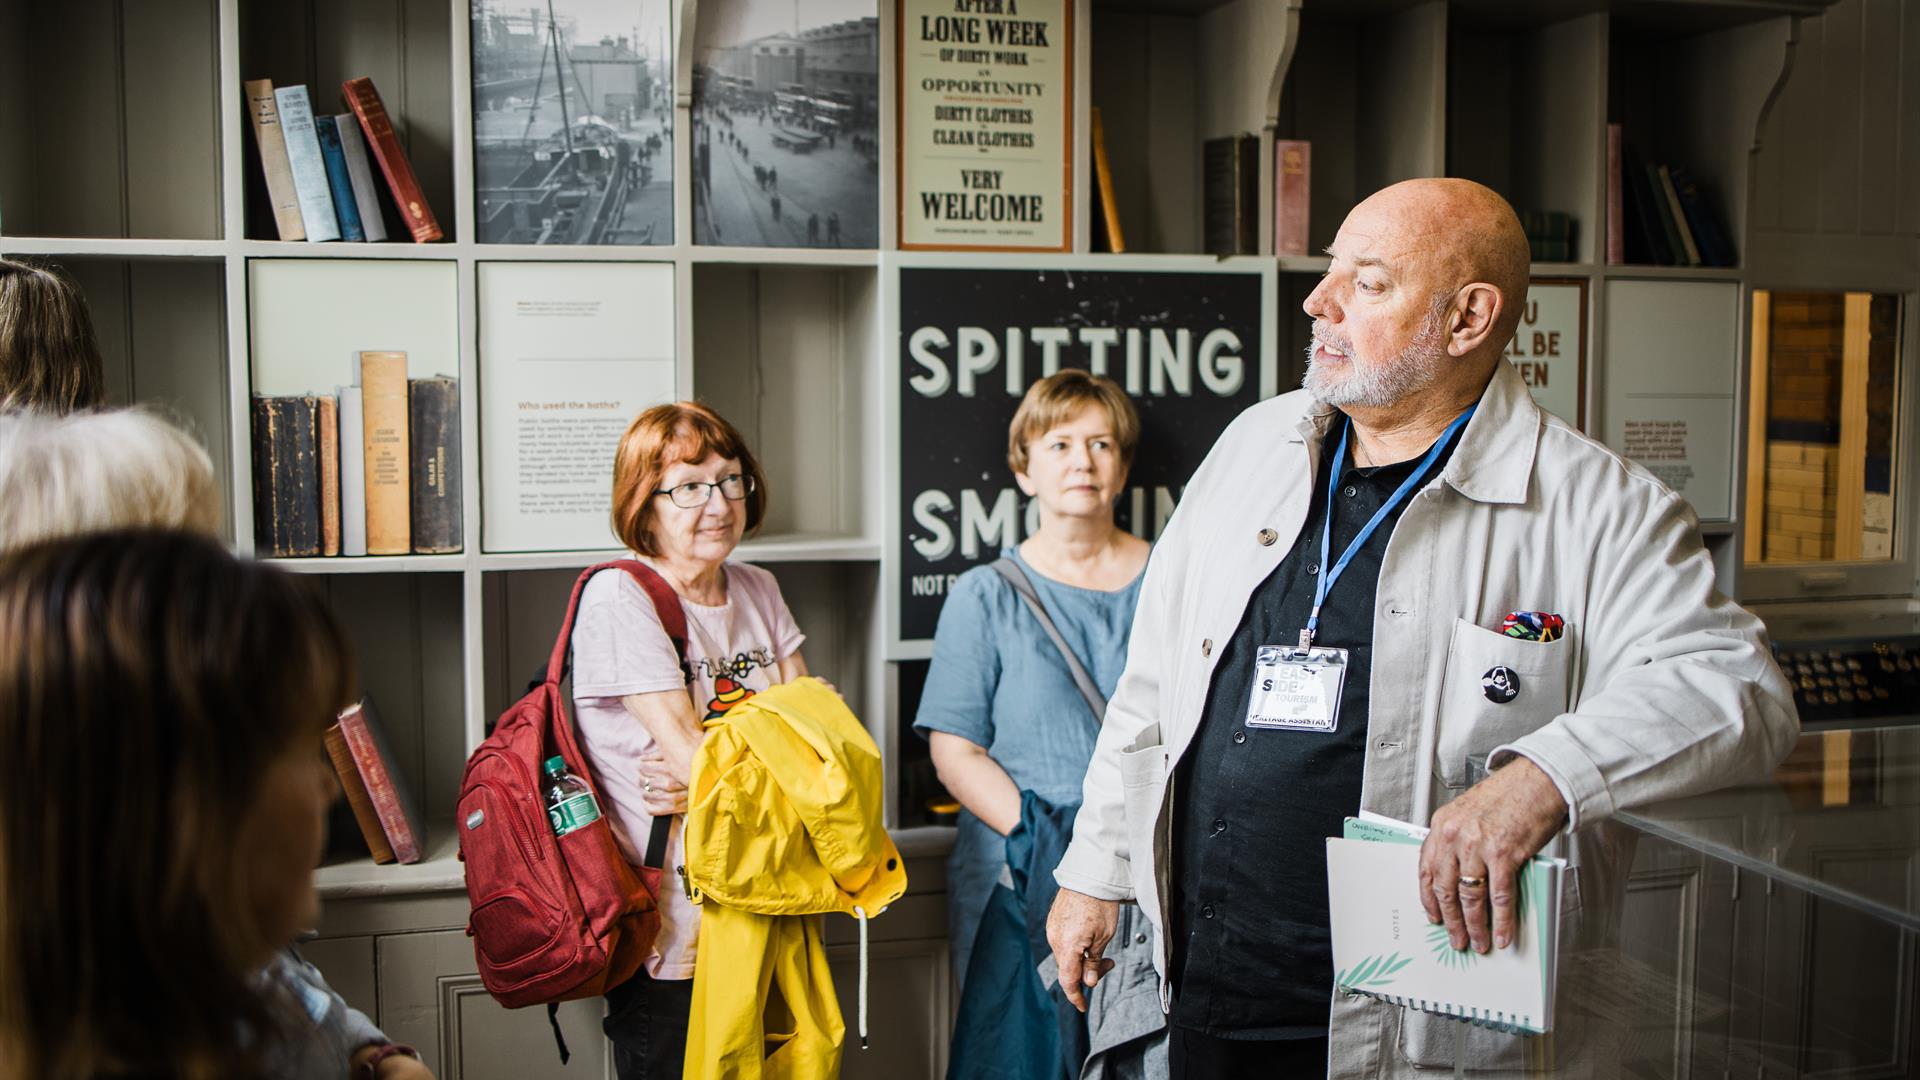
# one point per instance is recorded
(1500, 685)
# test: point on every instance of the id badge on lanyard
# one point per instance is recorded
(1297, 689)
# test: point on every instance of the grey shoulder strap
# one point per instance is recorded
(1017, 578)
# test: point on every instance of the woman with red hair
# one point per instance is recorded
(686, 490)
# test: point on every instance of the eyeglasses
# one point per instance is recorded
(695, 493)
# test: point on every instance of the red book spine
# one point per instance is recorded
(1616, 201)
(364, 100)
(386, 800)
(1292, 182)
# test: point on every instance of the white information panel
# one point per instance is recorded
(570, 353)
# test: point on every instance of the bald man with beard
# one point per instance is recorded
(1319, 633)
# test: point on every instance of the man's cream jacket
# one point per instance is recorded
(1659, 687)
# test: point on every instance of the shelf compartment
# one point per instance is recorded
(372, 564)
(407, 632)
(765, 548)
(404, 46)
(439, 871)
(162, 330)
(109, 119)
(784, 354)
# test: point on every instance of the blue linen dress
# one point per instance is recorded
(998, 682)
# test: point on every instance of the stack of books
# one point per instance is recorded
(377, 792)
(316, 170)
(372, 469)
(1657, 214)
(1550, 234)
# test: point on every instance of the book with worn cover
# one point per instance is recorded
(434, 429)
(383, 420)
(1230, 205)
(1616, 199)
(263, 114)
(327, 424)
(353, 474)
(366, 197)
(358, 799)
(1384, 947)
(365, 102)
(1292, 187)
(1679, 217)
(286, 477)
(339, 184)
(1707, 234)
(387, 786)
(309, 170)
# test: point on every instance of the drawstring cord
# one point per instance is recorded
(861, 913)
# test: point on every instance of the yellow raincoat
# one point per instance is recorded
(783, 824)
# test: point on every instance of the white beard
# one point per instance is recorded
(1370, 385)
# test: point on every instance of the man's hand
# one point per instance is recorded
(1079, 928)
(1470, 862)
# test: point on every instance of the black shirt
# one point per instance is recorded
(1253, 806)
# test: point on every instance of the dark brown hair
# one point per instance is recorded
(49, 359)
(148, 682)
(661, 438)
(1055, 399)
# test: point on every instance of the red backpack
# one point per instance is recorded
(554, 918)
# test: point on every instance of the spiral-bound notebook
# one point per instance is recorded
(1384, 947)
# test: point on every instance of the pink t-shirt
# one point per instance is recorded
(619, 648)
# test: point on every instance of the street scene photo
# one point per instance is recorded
(786, 108)
(573, 122)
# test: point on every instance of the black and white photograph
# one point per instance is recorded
(573, 121)
(786, 111)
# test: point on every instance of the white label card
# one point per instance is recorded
(1297, 689)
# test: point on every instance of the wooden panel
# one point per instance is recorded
(16, 159)
(179, 334)
(347, 962)
(75, 125)
(908, 1009)
(1878, 101)
(172, 119)
(1659, 924)
(1839, 157)
(833, 603)
(430, 998)
(773, 354)
(1803, 117)
(523, 613)
(1318, 103)
(105, 284)
(1907, 189)
(1402, 91)
(1860, 970)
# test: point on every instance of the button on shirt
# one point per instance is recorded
(1253, 807)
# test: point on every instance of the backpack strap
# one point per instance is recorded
(1017, 578)
(673, 619)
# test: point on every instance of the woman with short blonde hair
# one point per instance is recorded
(90, 471)
(1009, 729)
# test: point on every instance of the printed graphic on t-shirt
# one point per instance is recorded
(736, 667)
(726, 694)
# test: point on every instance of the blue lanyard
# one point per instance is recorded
(1331, 574)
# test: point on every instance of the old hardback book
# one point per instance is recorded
(1707, 234)
(1292, 186)
(309, 170)
(339, 184)
(364, 100)
(263, 113)
(353, 474)
(366, 197)
(434, 419)
(1679, 215)
(359, 800)
(286, 476)
(328, 425)
(387, 787)
(383, 419)
(1230, 205)
(1103, 187)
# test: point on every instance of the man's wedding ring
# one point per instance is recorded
(1469, 881)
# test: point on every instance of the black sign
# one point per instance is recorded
(1186, 347)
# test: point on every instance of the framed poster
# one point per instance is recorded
(1672, 373)
(786, 123)
(985, 125)
(570, 353)
(1191, 348)
(573, 122)
(1550, 347)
